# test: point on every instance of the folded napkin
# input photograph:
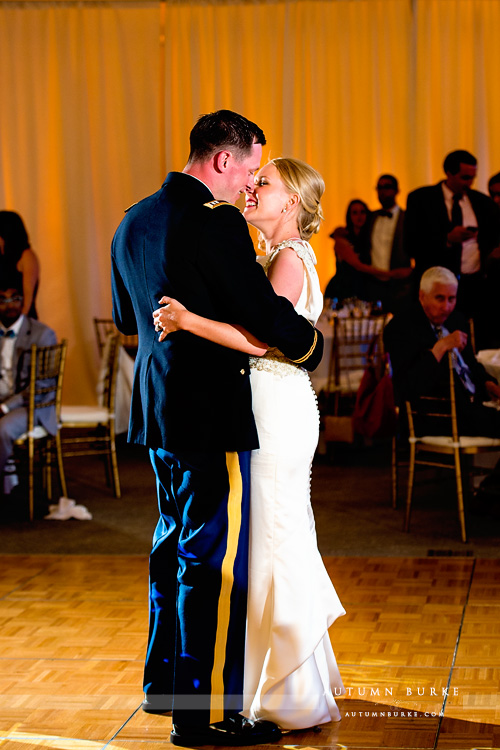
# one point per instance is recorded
(66, 509)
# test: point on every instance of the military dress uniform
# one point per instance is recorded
(191, 405)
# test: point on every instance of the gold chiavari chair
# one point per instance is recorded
(104, 327)
(352, 351)
(396, 461)
(451, 444)
(98, 420)
(45, 392)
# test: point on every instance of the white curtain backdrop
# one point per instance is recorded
(99, 97)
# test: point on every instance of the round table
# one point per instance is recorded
(490, 359)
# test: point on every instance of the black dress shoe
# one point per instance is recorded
(156, 707)
(233, 732)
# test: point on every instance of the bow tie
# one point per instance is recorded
(388, 214)
(7, 334)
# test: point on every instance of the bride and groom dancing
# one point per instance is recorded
(230, 678)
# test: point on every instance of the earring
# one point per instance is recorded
(284, 210)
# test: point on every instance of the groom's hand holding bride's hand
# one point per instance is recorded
(166, 319)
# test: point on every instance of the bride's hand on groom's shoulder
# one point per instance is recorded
(166, 319)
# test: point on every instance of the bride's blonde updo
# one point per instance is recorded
(298, 177)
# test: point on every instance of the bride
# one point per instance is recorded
(291, 676)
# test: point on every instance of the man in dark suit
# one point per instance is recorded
(17, 334)
(191, 405)
(451, 225)
(492, 282)
(418, 342)
(387, 250)
(494, 188)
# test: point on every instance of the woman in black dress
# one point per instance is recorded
(18, 262)
(352, 254)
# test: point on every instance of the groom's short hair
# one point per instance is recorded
(221, 130)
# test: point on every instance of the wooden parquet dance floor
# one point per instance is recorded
(419, 653)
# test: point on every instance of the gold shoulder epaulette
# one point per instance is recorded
(133, 204)
(215, 204)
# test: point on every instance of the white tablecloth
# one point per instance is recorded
(353, 329)
(124, 380)
(490, 359)
(319, 378)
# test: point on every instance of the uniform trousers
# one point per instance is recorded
(198, 585)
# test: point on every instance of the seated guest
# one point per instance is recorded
(352, 254)
(17, 334)
(418, 342)
(17, 260)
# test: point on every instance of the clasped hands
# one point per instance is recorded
(454, 340)
(458, 340)
(166, 319)
(461, 234)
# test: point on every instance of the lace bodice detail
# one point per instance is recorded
(301, 247)
(310, 305)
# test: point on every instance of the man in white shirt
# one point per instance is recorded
(17, 334)
(451, 225)
(492, 268)
(387, 250)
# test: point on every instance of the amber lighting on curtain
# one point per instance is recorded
(99, 97)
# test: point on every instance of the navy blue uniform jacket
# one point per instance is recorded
(190, 394)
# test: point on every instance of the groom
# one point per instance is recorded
(191, 405)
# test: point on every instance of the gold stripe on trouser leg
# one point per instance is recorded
(227, 570)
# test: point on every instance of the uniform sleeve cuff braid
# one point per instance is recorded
(306, 356)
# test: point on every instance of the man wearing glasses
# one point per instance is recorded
(17, 334)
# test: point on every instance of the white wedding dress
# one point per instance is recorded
(291, 676)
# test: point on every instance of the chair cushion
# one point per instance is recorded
(464, 442)
(82, 414)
